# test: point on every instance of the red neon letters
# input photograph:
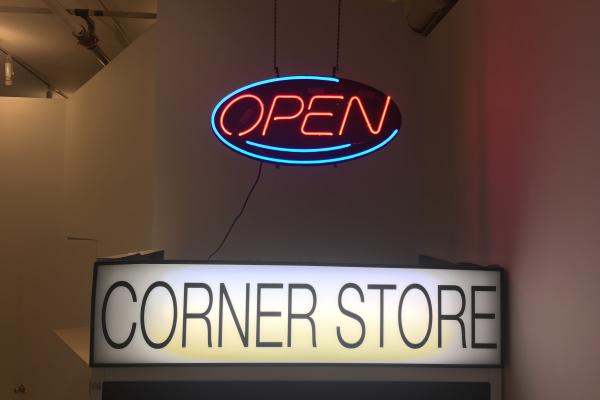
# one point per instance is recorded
(364, 113)
(243, 96)
(322, 114)
(283, 96)
(306, 120)
(323, 101)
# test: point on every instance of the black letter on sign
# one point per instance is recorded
(381, 288)
(450, 317)
(475, 316)
(307, 316)
(202, 315)
(243, 334)
(174, 301)
(422, 342)
(113, 344)
(351, 315)
(260, 313)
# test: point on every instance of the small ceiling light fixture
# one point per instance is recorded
(8, 71)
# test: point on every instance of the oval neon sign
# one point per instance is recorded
(306, 120)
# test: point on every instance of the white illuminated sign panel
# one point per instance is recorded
(185, 314)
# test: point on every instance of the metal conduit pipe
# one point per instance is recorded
(72, 11)
(35, 73)
(86, 35)
(422, 16)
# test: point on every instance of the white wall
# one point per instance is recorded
(80, 167)
(363, 211)
(110, 150)
(34, 264)
(516, 87)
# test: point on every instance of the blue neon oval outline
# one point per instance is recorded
(299, 150)
(282, 160)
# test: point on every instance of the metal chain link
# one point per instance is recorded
(275, 67)
(337, 48)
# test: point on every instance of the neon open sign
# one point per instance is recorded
(306, 120)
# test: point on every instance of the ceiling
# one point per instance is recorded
(47, 45)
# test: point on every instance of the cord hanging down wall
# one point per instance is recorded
(260, 165)
(238, 216)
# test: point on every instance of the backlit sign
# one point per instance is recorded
(198, 313)
(306, 120)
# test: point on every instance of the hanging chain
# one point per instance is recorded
(275, 67)
(337, 47)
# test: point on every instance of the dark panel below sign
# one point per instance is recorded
(227, 390)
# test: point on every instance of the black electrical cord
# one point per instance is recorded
(258, 175)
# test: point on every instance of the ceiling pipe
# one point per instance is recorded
(117, 29)
(423, 16)
(73, 23)
(33, 72)
(90, 40)
(86, 35)
(72, 11)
